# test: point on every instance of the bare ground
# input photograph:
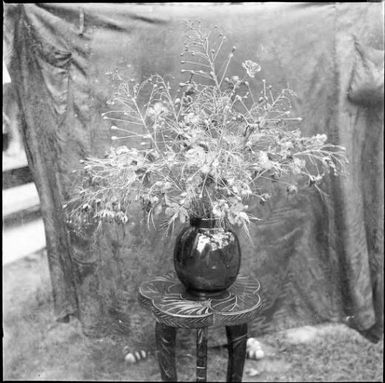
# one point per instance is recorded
(35, 347)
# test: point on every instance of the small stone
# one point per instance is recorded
(253, 343)
(259, 354)
(252, 372)
(130, 358)
(254, 349)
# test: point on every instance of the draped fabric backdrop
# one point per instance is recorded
(318, 259)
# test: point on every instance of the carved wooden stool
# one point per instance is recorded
(172, 307)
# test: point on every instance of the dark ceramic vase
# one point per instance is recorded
(207, 258)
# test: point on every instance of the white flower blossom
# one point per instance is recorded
(251, 67)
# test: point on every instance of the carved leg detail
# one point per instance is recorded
(236, 338)
(165, 342)
(202, 354)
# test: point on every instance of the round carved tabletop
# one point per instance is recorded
(167, 298)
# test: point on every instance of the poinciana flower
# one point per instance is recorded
(207, 147)
(251, 67)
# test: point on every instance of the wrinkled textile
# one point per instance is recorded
(367, 83)
(318, 258)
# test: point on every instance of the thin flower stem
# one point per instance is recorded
(219, 47)
(204, 75)
(123, 120)
(196, 63)
(227, 66)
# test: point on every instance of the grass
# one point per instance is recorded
(35, 347)
(337, 354)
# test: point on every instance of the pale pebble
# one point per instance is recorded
(252, 372)
(130, 358)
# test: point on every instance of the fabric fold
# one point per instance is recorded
(317, 259)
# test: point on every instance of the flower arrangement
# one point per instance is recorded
(206, 149)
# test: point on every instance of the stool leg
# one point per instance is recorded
(202, 354)
(236, 338)
(165, 342)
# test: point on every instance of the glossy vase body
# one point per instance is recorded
(206, 258)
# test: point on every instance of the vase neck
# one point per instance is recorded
(204, 223)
